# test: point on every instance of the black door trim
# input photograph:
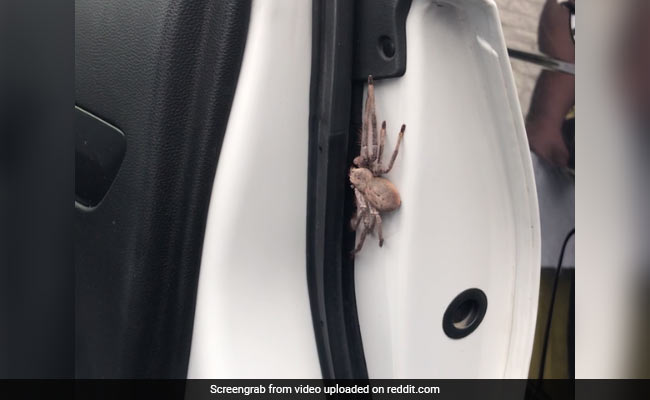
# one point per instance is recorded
(166, 73)
(330, 268)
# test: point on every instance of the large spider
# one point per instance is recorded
(373, 194)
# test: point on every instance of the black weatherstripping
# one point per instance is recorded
(165, 72)
(330, 268)
(99, 151)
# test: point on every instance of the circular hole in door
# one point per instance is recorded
(387, 47)
(465, 313)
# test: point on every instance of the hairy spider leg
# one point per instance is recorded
(373, 141)
(365, 127)
(364, 213)
(377, 166)
(394, 156)
(377, 225)
(362, 209)
(362, 239)
(368, 226)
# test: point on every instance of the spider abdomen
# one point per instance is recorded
(382, 194)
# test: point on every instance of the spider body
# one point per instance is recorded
(373, 193)
(379, 192)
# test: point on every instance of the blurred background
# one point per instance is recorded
(613, 90)
(612, 296)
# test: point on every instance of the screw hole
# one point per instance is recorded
(387, 47)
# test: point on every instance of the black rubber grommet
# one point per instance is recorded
(465, 313)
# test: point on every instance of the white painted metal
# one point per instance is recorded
(253, 317)
(469, 216)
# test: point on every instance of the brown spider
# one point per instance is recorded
(373, 194)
